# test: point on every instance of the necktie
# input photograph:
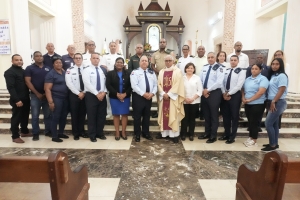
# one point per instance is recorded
(80, 80)
(98, 80)
(228, 80)
(206, 78)
(147, 83)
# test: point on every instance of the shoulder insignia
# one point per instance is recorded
(228, 69)
(150, 71)
(206, 65)
(192, 56)
(217, 67)
(168, 51)
(85, 67)
(222, 66)
(237, 70)
(71, 67)
(118, 54)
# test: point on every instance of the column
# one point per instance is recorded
(78, 24)
(292, 45)
(229, 26)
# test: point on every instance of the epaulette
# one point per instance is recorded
(228, 69)
(118, 54)
(216, 67)
(222, 65)
(168, 51)
(237, 70)
(85, 67)
(206, 65)
(192, 56)
(150, 71)
(71, 67)
(106, 54)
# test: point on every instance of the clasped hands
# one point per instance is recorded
(101, 95)
(245, 101)
(205, 93)
(226, 97)
(148, 95)
(121, 96)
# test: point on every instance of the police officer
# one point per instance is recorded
(94, 80)
(68, 58)
(108, 62)
(158, 63)
(49, 55)
(234, 79)
(211, 76)
(134, 62)
(76, 97)
(144, 86)
(185, 59)
(91, 46)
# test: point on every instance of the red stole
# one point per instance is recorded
(167, 85)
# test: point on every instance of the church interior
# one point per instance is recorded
(157, 169)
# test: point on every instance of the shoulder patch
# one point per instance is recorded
(216, 67)
(237, 70)
(85, 67)
(206, 65)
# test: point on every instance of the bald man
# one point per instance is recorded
(48, 56)
(67, 59)
(243, 58)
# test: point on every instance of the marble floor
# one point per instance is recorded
(151, 170)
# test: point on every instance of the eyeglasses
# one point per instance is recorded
(77, 58)
(168, 60)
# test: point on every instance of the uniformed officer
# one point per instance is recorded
(158, 63)
(234, 79)
(68, 58)
(76, 97)
(94, 79)
(108, 62)
(211, 76)
(144, 86)
(185, 59)
(49, 55)
(91, 46)
(134, 62)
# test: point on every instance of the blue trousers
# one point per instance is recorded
(59, 116)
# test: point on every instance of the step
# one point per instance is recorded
(110, 130)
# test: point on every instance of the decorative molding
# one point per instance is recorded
(229, 26)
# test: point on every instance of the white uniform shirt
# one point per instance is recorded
(86, 59)
(72, 79)
(182, 61)
(89, 78)
(243, 60)
(199, 63)
(109, 60)
(193, 86)
(238, 76)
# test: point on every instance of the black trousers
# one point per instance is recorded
(19, 116)
(211, 112)
(254, 112)
(96, 114)
(189, 119)
(141, 109)
(231, 110)
(78, 113)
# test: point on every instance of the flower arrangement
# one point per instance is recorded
(147, 47)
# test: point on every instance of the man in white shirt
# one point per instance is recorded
(94, 81)
(185, 59)
(200, 60)
(243, 58)
(91, 46)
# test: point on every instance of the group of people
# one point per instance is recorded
(91, 85)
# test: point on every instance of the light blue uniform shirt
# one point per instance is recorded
(216, 76)
(138, 83)
(276, 82)
(252, 85)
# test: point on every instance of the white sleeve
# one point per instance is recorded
(70, 84)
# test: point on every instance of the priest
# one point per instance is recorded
(171, 97)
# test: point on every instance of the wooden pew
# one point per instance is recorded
(278, 178)
(65, 184)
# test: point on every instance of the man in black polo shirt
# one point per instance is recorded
(68, 58)
(19, 99)
(49, 55)
(34, 77)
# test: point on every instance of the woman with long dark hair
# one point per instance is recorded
(277, 92)
(119, 87)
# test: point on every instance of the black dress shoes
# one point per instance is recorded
(204, 136)
(93, 139)
(175, 140)
(76, 137)
(63, 136)
(191, 138)
(148, 137)
(83, 135)
(101, 137)
(137, 138)
(223, 138)
(230, 141)
(57, 140)
(211, 140)
(154, 115)
(159, 136)
(182, 137)
(259, 129)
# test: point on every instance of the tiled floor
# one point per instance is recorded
(218, 189)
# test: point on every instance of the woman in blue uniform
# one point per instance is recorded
(276, 102)
(253, 96)
(119, 87)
